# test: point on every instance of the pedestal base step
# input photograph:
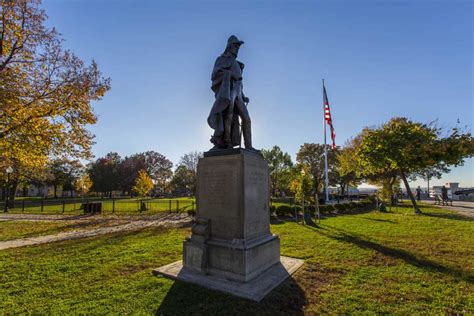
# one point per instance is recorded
(254, 290)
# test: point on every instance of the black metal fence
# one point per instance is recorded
(109, 205)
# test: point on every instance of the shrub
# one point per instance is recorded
(326, 208)
(272, 209)
(340, 207)
(367, 202)
(370, 198)
(284, 210)
(354, 205)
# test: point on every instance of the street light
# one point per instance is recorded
(7, 191)
(303, 191)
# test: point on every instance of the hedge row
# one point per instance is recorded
(289, 210)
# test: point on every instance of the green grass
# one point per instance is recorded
(126, 206)
(396, 263)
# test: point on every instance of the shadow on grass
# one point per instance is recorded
(115, 238)
(453, 216)
(379, 220)
(410, 258)
(189, 299)
(463, 206)
(57, 230)
(278, 221)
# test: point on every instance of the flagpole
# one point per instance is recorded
(326, 182)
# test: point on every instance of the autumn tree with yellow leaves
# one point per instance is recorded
(45, 92)
(143, 184)
(83, 184)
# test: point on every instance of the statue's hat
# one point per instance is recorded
(233, 39)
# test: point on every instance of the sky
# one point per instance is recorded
(379, 59)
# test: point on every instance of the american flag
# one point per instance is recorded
(327, 117)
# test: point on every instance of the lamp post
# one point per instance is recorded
(7, 191)
(303, 191)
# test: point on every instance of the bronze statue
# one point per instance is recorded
(230, 103)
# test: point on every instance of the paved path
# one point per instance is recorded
(164, 220)
(88, 217)
(463, 207)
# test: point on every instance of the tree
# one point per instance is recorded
(104, 173)
(312, 156)
(405, 148)
(279, 165)
(387, 179)
(45, 92)
(343, 173)
(301, 181)
(185, 175)
(158, 167)
(62, 172)
(128, 171)
(143, 184)
(83, 184)
(183, 181)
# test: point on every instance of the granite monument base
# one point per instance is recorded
(254, 290)
(231, 240)
(234, 260)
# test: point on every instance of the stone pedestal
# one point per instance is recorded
(233, 203)
(231, 248)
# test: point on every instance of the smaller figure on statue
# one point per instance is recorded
(230, 103)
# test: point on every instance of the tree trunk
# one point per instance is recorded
(274, 186)
(316, 207)
(11, 193)
(55, 191)
(410, 194)
(428, 191)
(392, 182)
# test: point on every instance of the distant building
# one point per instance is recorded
(452, 188)
(37, 190)
(41, 190)
(349, 191)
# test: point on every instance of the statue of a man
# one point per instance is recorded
(230, 101)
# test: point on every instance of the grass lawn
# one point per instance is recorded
(396, 263)
(124, 206)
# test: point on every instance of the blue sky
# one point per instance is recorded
(380, 59)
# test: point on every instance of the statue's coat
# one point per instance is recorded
(222, 85)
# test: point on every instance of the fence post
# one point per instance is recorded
(113, 206)
(64, 205)
(42, 205)
(23, 206)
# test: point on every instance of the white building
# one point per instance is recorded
(452, 188)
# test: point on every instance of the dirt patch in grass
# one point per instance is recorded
(316, 279)
(379, 259)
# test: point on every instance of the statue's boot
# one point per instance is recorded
(247, 131)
